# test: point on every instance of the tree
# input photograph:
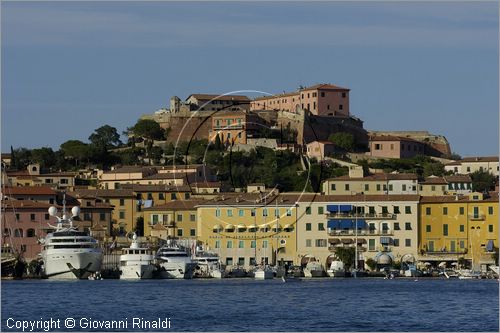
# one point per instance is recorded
(76, 150)
(45, 156)
(482, 181)
(21, 158)
(149, 130)
(105, 138)
(343, 140)
(372, 264)
(346, 255)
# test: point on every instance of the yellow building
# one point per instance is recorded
(249, 229)
(381, 183)
(462, 226)
(172, 219)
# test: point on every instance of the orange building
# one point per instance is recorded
(320, 100)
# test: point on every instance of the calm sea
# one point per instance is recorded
(248, 305)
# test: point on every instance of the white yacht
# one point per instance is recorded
(314, 269)
(68, 253)
(336, 269)
(175, 261)
(136, 262)
(208, 265)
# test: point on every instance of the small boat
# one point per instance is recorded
(314, 269)
(264, 273)
(237, 272)
(466, 274)
(450, 274)
(136, 262)
(287, 279)
(336, 269)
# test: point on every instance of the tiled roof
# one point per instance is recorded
(29, 190)
(458, 179)
(160, 188)
(378, 177)
(103, 193)
(276, 96)
(24, 204)
(480, 159)
(130, 169)
(321, 141)
(171, 175)
(240, 98)
(433, 180)
(461, 198)
(391, 138)
(324, 86)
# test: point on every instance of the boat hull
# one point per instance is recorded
(74, 264)
(137, 272)
(263, 275)
(177, 270)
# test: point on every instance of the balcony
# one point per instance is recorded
(351, 232)
(332, 248)
(477, 217)
(228, 127)
(365, 216)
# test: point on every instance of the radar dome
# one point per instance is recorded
(52, 211)
(75, 211)
(384, 259)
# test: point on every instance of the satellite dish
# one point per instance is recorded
(134, 236)
(75, 211)
(52, 211)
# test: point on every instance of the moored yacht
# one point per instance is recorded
(208, 265)
(68, 253)
(175, 261)
(136, 262)
(314, 269)
(264, 273)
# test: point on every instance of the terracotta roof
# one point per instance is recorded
(103, 193)
(453, 163)
(240, 98)
(433, 180)
(461, 198)
(276, 96)
(480, 159)
(158, 227)
(130, 169)
(222, 114)
(176, 205)
(392, 138)
(160, 188)
(206, 184)
(321, 141)
(379, 177)
(365, 198)
(29, 190)
(179, 166)
(458, 179)
(170, 175)
(324, 86)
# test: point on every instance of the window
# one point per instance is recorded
(408, 226)
(371, 244)
(445, 210)
(308, 243)
(86, 217)
(452, 246)
(433, 188)
(308, 210)
(461, 211)
(390, 187)
(47, 216)
(229, 213)
(367, 187)
(343, 95)
(241, 212)
(32, 217)
(407, 242)
(385, 210)
(404, 187)
(252, 244)
(396, 226)
(30, 233)
(490, 227)
(192, 217)
(490, 210)
(161, 196)
(462, 228)
(122, 215)
(371, 210)
(378, 187)
(192, 232)
(289, 212)
(187, 195)
(173, 196)
(217, 212)
(122, 202)
(320, 243)
(378, 146)
(346, 186)
(320, 210)
(341, 107)
(395, 242)
(179, 232)
(396, 210)
(217, 244)
(264, 212)
(264, 244)
(407, 209)
(462, 244)
(241, 244)
(333, 187)
(445, 230)
(428, 228)
(252, 212)
(229, 244)
(308, 226)
(427, 210)
(241, 261)
(277, 212)
(321, 227)
(229, 261)
(179, 217)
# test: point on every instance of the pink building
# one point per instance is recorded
(320, 99)
(388, 146)
(320, 149)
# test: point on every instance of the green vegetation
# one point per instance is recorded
(423, 166)
(372, 264)
(482, 181)
(346, 255)
(343, 140)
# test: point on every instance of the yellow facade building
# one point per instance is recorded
(249, 229)
(459, 227)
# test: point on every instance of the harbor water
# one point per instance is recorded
(248, 305)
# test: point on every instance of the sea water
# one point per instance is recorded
(247, 305)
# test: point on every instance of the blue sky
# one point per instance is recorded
(68, 68)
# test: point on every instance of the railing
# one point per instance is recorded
(477, 217)
(360, 232)
(228, 127)
(332, 248)
(373, 216)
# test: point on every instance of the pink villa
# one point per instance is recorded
(320, 149)
(389, 146)
(320, 99)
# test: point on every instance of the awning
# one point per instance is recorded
(240, 226)
(275, 227)
(347, 224)
(489, 246)
(332, 208)
(288, 227)
(334, 241)
(347, 240)
(385, 240)
(217, 227)
(229, 227)
(361, 241)
(333, 224)
(252, 227)
(339, 208)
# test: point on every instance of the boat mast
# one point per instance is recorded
(277, 226)
(355, 241)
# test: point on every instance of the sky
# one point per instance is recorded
(69, 68)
